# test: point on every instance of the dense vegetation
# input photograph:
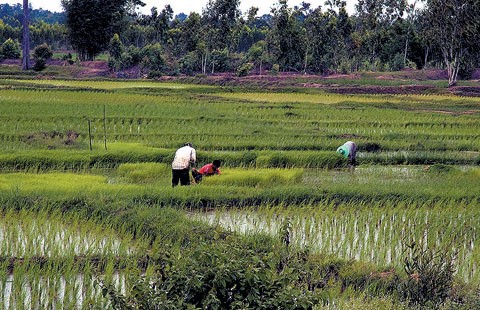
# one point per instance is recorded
(87, 208)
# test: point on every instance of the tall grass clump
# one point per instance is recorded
(430, 274)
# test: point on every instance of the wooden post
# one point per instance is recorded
(90, 134)
(105, 126)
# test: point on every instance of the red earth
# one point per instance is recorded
(414, 80)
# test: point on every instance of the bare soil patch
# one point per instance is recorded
(413, 79)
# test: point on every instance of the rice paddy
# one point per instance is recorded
(85, 180)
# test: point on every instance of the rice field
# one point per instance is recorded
(376, 233)
(86, 196)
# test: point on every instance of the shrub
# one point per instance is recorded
(153, 59)
(245, 69)
(221, 276)
(397, 63)
(115, 47)
(189, 63)
(42, 51)
(68, 58)
(40, 64)
(275, 69)
(10, 49)
(430, 275)
(41, 54)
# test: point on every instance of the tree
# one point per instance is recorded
(154, 60)
(287, 37)
(92, 23)
(10, 49)
(374, 18)
(26, 37)
(191, 33)
(52, 34)
(115, 47)
(161, 22)
(257, 55)
(454, 26)
(221, 16)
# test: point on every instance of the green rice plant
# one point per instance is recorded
(28, 235)
(374, 233)
(255, 177)
(143, 173)
(280, 121)
(274, 148)
(108, 85)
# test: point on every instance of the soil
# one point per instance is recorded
(414, 78)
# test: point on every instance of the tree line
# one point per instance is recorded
(382, 35)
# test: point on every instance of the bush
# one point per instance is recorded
(39, 65)
(430, 275)
(10, 49)
(115, 48)
(41, 54)
(190, 63)
(397, 62)
(153, 59)
(245, 69)
(345, 66)
(275, 69)
(221, 275)
(42, 51)
(68, 58)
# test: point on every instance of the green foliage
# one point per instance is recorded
(115, 47)
(245, 69)
(287, 37)
(10, 49)
(430, 274)
(452, 27)
(208, 277)
(42, 51)
(90, 36)
(40, 64)
(153, 59)
(189, 64)
(221, 18)
(275, 69)
(41, 54)
(219, 60)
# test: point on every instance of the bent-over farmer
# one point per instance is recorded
(184, 158)
(349, 150)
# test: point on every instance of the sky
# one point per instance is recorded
(182, 6)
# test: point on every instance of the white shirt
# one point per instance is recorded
(183, 157)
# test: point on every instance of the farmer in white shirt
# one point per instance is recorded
(184, 157)
(349, 150)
